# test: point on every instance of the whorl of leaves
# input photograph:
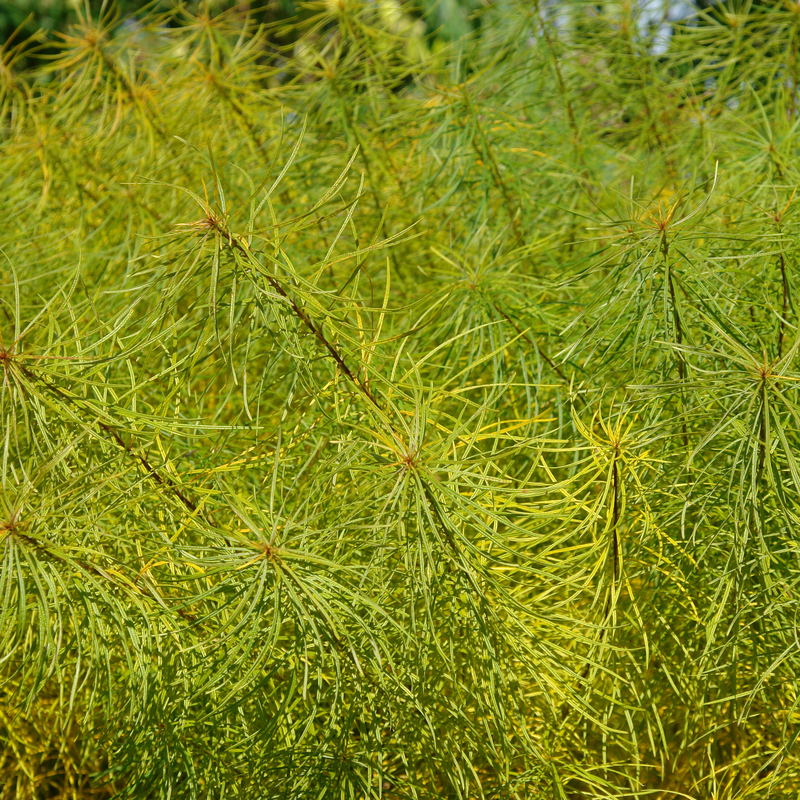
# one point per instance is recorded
(385, 421)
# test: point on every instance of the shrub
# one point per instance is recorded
(382, 419)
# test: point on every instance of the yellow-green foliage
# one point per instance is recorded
(384, 419)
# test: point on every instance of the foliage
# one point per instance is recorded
(389, 420)
(445, 20)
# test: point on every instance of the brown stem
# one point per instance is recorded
(315, 329)
(533, 344)
(151, 471)
(47, 548)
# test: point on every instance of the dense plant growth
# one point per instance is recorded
(442, 20)
(382, 419)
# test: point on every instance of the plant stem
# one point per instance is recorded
(152, 472)
(312, 326)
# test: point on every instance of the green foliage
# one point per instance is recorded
(390, 420)
(29, 16)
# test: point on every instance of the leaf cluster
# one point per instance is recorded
(394, 421)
